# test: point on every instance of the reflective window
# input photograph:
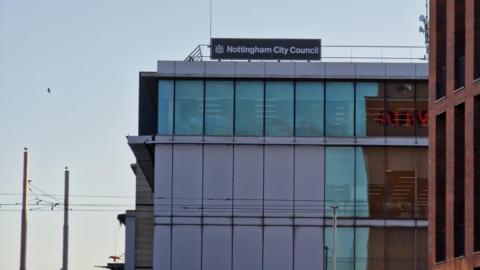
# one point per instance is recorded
(165, 107)
(279, 109)
(369, 248)
(400, 117)
(370, 105)
(422, 183)
(344, 247)
(400, 180)
(249, 108)
(219, 108)
(422, 248)
(309, 109)
(400, 248)
(188, 107)
(421, 112)
(339, 109)
(370, 192)
(339, 178)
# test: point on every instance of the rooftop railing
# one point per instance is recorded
(343, 53)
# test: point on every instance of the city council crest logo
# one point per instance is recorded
(219, 49)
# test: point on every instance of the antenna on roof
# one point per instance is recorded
(425, 28)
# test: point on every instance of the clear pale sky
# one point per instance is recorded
(89, 53)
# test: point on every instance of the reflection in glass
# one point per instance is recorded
(309, 109)
(400, 119)
(370, 104)
(165, 107)
(249, 108)
(219, 108)
(422, 183)
(344, 246)
(339, 109)
(339, 177)
(370, 177)
(369, 248)
(422, 109)
(189, 107)
(422, 248)
(279, 109)
(400, 180)
(400, 248)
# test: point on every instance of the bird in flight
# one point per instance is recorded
(48, 90)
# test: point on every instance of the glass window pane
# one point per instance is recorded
(188, 107)
(249, 108)
(400, 248)
(400, 115)
(370, 177)
(339, 109)
(422, 248)
(400, 179)
(422, 183)
(422, 109)
(369, 248)
(309, 109)
(219, 108)
(344, 247)
(370, 106)
(279, 109)
(165, 107)
(340, 169)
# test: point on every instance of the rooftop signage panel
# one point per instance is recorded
(265, 49)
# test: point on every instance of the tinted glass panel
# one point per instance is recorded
(422, 183)
(165, 107)
(344, 246)
(279, 109)
(400, 180)
(340, 168)
(188, 107)
(369, 248)
(219, 108)
(370, 106)
(400, 248)
(400, 114)
(309, 109)
(370, 167)
(249, 108)
(339, 109)
(421, 112)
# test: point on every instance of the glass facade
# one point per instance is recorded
(292, 108)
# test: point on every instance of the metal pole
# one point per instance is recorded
(23, 238)
(65, 221)
(334, 251)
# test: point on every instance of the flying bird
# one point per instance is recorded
(48, 90)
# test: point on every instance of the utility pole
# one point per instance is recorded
(334, 251)
(23, 237)
(65, 221)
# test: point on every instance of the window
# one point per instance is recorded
(421, 205)
(400, 182)
(421, 109)
(165, 107)
(370, 186)
(188, 107)
(459, 181)
(459, 43)
(400, 248)
(441, 47)
(369, 111)
(219, 108)
(249, 108)
(440, 187)
(345, 246)
(279, 109)
(400, 114)
(339, 178)
(339, 109)
(476, 177)
(370, 248)
(422, 248)
(309, 109)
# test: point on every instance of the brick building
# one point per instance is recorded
(454, 105)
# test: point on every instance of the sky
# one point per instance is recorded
(89, 53)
